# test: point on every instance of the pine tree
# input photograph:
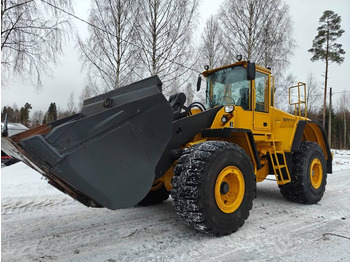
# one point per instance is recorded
(324, 47)
(24, 114)
(13, 114)
(51, 114)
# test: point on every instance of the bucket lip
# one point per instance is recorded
(147, 82)
(133, 92)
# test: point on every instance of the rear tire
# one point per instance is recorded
(213, 187)
(308, 176)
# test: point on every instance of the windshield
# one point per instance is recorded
(228, 86)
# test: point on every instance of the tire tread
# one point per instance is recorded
(186, 184)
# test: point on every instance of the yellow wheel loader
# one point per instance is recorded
(131, 146)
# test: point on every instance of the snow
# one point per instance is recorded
(19, 180)
(14, 128)
(39, 223)
(341, 159)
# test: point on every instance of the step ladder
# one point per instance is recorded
(278, 160)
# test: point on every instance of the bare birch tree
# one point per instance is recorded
(260, 30)
(86, 93)
(282, 84)
(211, 50)
(32, 34)
(37, 118)
(71, 104)
(313, 95)
(164, 37)
(109, 51)
(344, 110)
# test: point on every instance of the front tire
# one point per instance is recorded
(213, 187)
(308, 176)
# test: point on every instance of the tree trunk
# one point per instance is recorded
(325, 97)
(118, 62)
(325, 85)
(344, 130)
(330, 119)
(250, 32)
(154, 40)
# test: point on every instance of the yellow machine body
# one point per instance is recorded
(267, 134)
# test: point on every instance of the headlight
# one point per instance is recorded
(224, 119)
(229, 109)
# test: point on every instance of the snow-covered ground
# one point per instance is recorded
(341, 159)
(39, 223)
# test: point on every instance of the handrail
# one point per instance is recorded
(297, 105)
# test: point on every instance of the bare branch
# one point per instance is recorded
(32, 35)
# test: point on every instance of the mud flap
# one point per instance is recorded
(108, 153)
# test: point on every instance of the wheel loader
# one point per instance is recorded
(133, 146)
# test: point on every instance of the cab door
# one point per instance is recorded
(262, 119)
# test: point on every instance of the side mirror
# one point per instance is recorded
(199, 82)
(251, 71)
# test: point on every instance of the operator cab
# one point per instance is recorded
(247, 87)
(233, 85)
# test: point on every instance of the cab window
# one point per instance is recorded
(229, 86)
(261, 92)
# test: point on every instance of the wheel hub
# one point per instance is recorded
(224, 188)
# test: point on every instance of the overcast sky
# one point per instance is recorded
(67, 75)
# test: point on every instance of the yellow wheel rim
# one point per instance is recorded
(316, 173)
(229, 189)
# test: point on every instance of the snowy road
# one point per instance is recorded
(41, 224)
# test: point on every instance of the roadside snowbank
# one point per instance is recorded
(341, 159)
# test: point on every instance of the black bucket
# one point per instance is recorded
(106, 155)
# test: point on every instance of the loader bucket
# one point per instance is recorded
(106, 155)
